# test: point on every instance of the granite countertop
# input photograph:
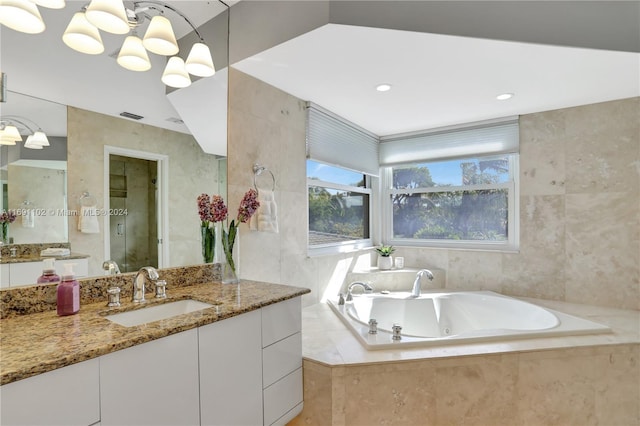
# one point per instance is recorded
(40, 342)
(38, 258)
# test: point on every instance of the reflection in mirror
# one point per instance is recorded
(186, 125)
(34, 181)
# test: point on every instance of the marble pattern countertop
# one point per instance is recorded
(40, 342)
(38, 258)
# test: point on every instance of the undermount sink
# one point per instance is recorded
(157, 312)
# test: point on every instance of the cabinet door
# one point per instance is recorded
(24, 273)
(66, 396)
(4, 275)
(155, 383)
(231, 371)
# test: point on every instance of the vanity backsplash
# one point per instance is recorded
(40, 298)
(30, 250)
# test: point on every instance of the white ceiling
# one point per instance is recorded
(438, 80)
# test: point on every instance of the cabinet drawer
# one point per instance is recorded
(66, 396)
(281, 320)
(281, 358)
(282, 396)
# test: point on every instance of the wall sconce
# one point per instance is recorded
(9, 133)
(83, 35)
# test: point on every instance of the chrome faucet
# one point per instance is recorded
(415, 292)
(366, 287)
(111, 267)
(139, 281)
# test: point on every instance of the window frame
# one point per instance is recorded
(344, 246)
(513, 210)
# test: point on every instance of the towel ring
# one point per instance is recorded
(87, 200)
(257, 171)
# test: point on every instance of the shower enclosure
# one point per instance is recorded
(133, 202)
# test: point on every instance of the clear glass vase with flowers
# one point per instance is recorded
(6, 217)
(218, 212)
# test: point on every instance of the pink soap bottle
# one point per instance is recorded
(49, 273)
(68, 292)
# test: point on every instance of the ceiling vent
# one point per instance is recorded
(131, 116)
(175, 120)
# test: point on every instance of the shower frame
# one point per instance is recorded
(163, 198)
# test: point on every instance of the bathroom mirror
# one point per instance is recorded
(96, 92)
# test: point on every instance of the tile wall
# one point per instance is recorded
(579, 205)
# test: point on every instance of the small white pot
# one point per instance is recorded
(385, 262)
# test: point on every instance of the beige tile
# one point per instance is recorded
(542, 153)
(474, 270)
(317, 395)
(398, 394)
(478, 391)
(602, 264)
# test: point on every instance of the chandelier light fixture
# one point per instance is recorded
(83, 35)
(9, 133)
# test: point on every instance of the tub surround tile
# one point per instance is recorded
(37, 343)
(474, 270)
(562, 380)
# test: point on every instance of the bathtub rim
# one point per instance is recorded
(570, 326)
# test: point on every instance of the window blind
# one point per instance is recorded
(336, 141)
(494, 137)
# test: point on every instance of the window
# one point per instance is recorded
(452, 187)
(339, 208)
(466, 202)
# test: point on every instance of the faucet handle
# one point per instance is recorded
(161, 287)
(114, 297)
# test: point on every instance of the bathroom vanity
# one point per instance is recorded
(237, 362)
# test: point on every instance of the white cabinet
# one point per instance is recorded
(231, 371)
(4, 275)
(66, 396)
(155, 383)
(26, 273)
(282, 361)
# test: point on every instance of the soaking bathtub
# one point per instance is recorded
(453, 318)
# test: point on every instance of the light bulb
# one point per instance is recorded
(51, 4)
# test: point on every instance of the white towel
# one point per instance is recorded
(266, 218)
(88, 220)
(28, 218)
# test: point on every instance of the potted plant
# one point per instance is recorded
(384, 256)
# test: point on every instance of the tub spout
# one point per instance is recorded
(367, 289)
(415, 292)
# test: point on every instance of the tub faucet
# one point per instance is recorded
(139, 281)
(367, 289)
(415, 292)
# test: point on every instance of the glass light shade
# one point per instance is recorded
(175, 75)
(160, 38)
(133, 55)
(6, 141)
(38, 138)
(32, 143)
(51, 4)
(21, 15)
(108, 15)
(11, 132)
(199, 61)
(82, 36)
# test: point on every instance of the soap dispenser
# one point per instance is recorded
(49, 272)
(68, 292)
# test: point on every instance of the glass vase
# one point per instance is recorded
(5, 232)
(229, 260)
(208, 234)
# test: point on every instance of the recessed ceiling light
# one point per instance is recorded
(504, 96)
(383, 87)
